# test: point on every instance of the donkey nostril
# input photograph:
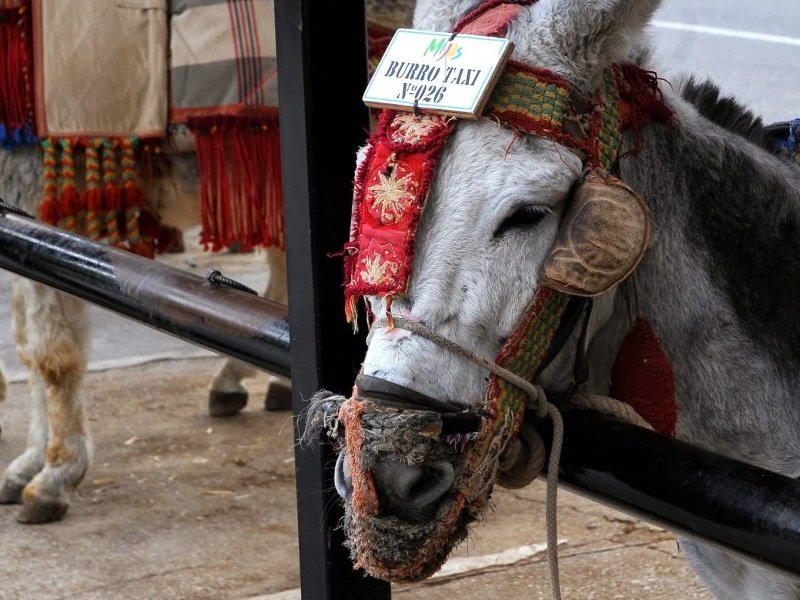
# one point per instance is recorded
(412, 493)
(341, 477)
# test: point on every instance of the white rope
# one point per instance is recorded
(543, 408)
(609, 406)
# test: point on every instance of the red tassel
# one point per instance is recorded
(207, 178)
(70, 201)
(642, 377)
(223, 190)
(274, 217)
(241, 197)
(48, 211)
(642, 101)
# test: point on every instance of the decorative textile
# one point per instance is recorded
(642, 377)
(101, 70)
(388, 201)
(390, 189)
(111, 204)
(17, 125)
(491, 18)
(539, 102)
(101, 85)
(224, 86)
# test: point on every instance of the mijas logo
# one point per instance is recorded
(441, 48)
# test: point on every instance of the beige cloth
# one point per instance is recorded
(101, 67)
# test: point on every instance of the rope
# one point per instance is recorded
(551, 506)
(611, 407)
(543, 408)
(535, 392)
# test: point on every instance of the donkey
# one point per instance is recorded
(52, 335)
(52, 332)
(718, 284)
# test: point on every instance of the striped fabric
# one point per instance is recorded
(224, 88)
(222, 58)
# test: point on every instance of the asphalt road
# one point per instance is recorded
(762, 73)
(752, 50)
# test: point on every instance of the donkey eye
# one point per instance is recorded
(523, 217)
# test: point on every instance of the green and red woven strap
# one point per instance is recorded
(539, 102)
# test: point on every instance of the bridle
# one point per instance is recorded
(529, 101)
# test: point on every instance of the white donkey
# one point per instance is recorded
(719, 281)
(51, 333)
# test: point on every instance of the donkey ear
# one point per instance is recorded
(601, 240)
(589, 35)
(441, 15)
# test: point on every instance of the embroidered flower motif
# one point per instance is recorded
(393, 194)
(412, 129)
(377, 271)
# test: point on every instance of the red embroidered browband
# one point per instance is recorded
(389, 194)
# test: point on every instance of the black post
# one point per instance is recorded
(322, 61)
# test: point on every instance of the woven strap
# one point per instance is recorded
(539, 102)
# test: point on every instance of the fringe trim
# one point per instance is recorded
(241, 192)
(16, 88)
(112, 201)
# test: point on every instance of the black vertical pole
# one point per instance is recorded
(322, 62)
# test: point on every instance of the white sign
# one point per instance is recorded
(438, 72)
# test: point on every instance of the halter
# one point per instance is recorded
(390, 190)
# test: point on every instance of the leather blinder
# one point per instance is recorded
(602, 239)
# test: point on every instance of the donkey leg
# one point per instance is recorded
(56, 331)
(731, 578)
(227, 396)
(25, 467)
(279, 390)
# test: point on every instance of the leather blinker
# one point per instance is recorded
(602, 239)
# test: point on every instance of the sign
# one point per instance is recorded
(438, 72)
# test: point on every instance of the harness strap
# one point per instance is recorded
(538, 399)
(536, 394)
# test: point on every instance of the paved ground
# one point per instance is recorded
(181, 506)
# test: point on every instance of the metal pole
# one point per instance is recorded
(694, 492)
(190, 307)
(738, 507)
(322, 61)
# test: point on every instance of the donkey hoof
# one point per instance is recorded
(11, 492)
(279, 397)
(226, 404)
(38, 511)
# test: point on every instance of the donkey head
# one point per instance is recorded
(493, 212)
